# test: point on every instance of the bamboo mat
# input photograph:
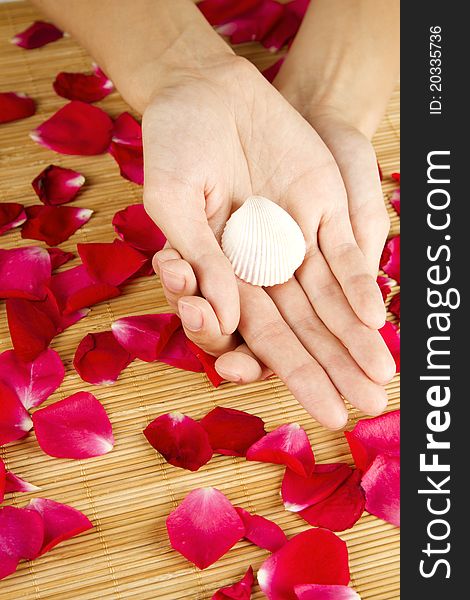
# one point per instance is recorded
(129, 493)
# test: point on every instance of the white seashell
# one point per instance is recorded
(263, 242)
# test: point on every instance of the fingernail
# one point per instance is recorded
(234, 377)
(172, 281)
(191, 316)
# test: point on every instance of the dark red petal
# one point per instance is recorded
(21, 532)
(56, 185)
(54, 224)
(134, 226)
(241, 590)
(204, 526)
(14, 106)
(2, 480)
(391, 337)
(145, 336)
(300, 492)
(381, 176)
(271, 72)
(396, 177)
(12, 215)
(313, 556)
(371, 437)
(285, 29)
(180, 440)
(261, 531)
(112, 263)
(61, 522)
(24, 272)
(177, 354)
(390, 260)
(87, 87)
(394, 306)
(15, 421)
(77, 128)
(385, 284)
(76, 289)
(287, 445)
(13, 483)
(341, 509)
(99, 358)
(127, 131)
(381, 484)
(255, 24)
(76, 427)
(232, 432)
(130, 160)
(59, 257)
(221, 11)
(207, 361)
(395, 200)
(33, 382)
(36, 35)
(325, 592)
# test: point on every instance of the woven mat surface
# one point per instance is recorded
(128, 493)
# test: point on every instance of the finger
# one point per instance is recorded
(176, 275)
(272, 341)
(365, 345)
(348, 378)
(241, 366)
(201, 325)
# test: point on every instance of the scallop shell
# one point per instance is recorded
(263, 242)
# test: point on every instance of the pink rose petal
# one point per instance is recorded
(15, 106)
(12, 214)
(13, 483)
(207, 361)
(385, 284)
(300, 492)
(182, 441)
(56, 185)
(100, 359)
(390, 260)
(287, 445)
(61, 522)
(76, 427)
(381, 484)
(130, 160)
(341, 509)
(59, 257)
(313, 556)
(271, 72)
(145, 336)
(2, 480)
(24, 272)
(134, 226)
(204, 526)
(395, 200)
(177, 354)
(112, 263)
(232, 432)
(77, 128)
(33, 382)
(54, 224)
(15, 421)
(241, 590)
(391, 337)
(87, 87)
(325, 592)
(261, 531)
(127, 131)
(21, 533)
(36, 35)
(394, 306)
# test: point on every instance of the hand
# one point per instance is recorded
(212, 140)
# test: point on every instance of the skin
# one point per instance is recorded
(215, 131)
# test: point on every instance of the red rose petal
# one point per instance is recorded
(254, 24)
(76, 289)
(177, 354)
(287, 445)
(341, 509)
(21, 532)
(54, 224)
(87, 87)
(8, 565)
(13, 483)
(145, 336)
(204, 526)
(381, 484)
(15, 421)
(391, 337)
(313, 556)
(127, 131)
(394, 306)
(381, 176)
(61, 522)
(390, 260)
(385, 284)
(56, 185)
(232, 432)
(14, 106)
(36, 35)
(112, 263)
(33, 382)
(262, 532)
(271, 72)
(371, 437)
(285, 28)
(207, 361)
(76, 427)
(59, 257)
(182, 441)
(24, 272)
(77, 128)
(395, 200)
(325, 592)
(12, 215)
(2, 480)
(221, 11)
(100, 359)
(300, 492)
(134, 226)
(237, 591)
(396, 177)
(130, 160)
